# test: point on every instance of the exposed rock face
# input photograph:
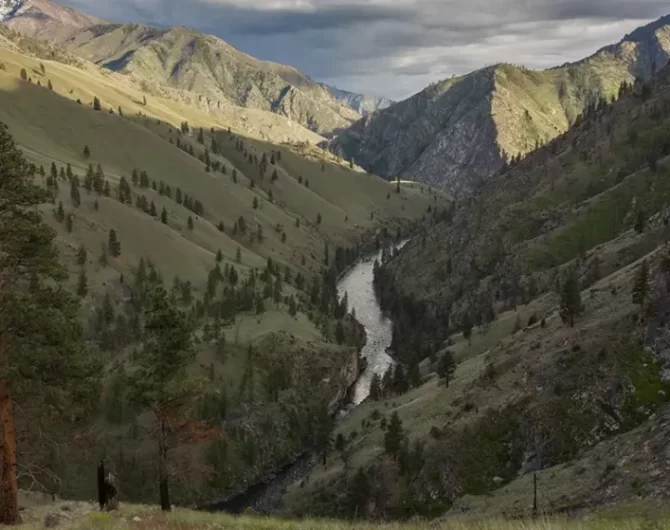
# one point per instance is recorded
(361, 103)
(45, 20)
(185, 59)
(453, 133)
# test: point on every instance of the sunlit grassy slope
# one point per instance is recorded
(52, 126)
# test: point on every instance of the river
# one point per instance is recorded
(358, 284)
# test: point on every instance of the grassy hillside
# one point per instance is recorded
(278, 234)
(187, 60)
(586, 407)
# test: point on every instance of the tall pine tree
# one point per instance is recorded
(39, 320)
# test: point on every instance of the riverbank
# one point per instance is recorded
(374, 337)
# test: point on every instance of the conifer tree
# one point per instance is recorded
(69, 223)
(39, 321)
(24, 74)
(219, 256)
(375, 387)
(114, 245)
(103, 255)
(221, 227)
(641, 285)
(162, 383)
(82, 284)
(60, 213)
(394, 436)
(359, 492)
(446, 367)
(324, 427)
(82, 255)
(164, 218)
(50, 85)
(339, 332)
(96, 103)
(190, 222)
(87, 152)
(238, 255)
(571, 300)
(255, 203)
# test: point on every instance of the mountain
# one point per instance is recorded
(506, 386)
(184, 59)
(43, 19)
(216, 216)
(362, 104)
(456, 133)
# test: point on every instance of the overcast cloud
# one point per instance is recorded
(397, 47)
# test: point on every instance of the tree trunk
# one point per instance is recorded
(162, 467)
(9, 504)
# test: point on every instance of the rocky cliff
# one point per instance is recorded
(455, 133)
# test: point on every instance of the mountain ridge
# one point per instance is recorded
(529, 107)
(186, 59)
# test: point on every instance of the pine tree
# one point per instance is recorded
(39, 321)
(375, 387)
(219, 256)
(446, 367)
(394, 436)
(571, 300)
(318, 218)
(323, 435)
(190, 222)
(82, 284)
(69, 223)
(238, 255)
(96, 103)
(87, 152)
(164, 218)
(24, 74)
(161, 382)
(60, 213)
(339, 332)
(103, 255)
(221, 227)
(641, 285)
(50, 85)
(359, 493)
(255, 203)
(640, 221)
(82, 255)
(114, 245)
(152, 210)
(397, 188)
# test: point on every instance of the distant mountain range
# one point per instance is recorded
(185, 59)
(456, 133)
(363, 104)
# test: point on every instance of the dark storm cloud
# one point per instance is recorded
(395, 47)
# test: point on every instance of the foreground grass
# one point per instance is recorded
(84, 517)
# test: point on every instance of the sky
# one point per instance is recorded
(395, 48)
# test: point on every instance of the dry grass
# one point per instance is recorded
(81, 516)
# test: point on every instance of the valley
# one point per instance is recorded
(205, 285)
